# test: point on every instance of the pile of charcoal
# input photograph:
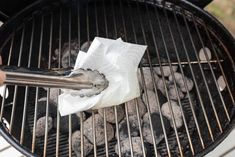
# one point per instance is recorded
(152, 97)
(160, 92)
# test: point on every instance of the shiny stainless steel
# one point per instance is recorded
(131, 29)
(45, 81)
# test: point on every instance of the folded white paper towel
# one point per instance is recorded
(118, 61)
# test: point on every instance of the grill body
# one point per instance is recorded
(174, 34)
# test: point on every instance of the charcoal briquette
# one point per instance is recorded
(134, 127)
(148, 79)
(41, 108)
(161, 86)
(110, 113)
(136, 147)
(166, 111)
(152, 101)
(41, 126)
(99, 130)
(131, 107)
(64, 123)
(76, 144)
(173, 92)
(180, 81)
(166, 70)
(66, 51)
(157, 127)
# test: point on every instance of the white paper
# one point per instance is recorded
(118, 61)
(2, 89)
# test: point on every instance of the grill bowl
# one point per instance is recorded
(174, 34)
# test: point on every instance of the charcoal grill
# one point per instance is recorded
(174, 31)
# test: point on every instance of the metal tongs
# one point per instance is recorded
(87, 82)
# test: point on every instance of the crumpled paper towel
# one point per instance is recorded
(118, 61)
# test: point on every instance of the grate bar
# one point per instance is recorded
(16, 87)
(11, 47)
(37, 89)
(59, 66)
(217, 58)
(104, 110)
(217, 86)
(70, 119)
(8, 63)
(115, 107)
(183, 63)
(48, 89)
(146, 94)
(105, 134)
(27, 88)
(197, 89)
(189, 97)
(46, 125)
(206, 84)
(69, 18)
(179, 101)
(87, 21)
(128, 130)
(126, 109)
(94, 133)
(167, 94)
(143, 82)
(136, 103)
(70, 136)
(140, 129)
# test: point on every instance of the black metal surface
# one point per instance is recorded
(10, 139)
(181, 32)
(201, 3)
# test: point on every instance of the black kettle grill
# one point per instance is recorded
(175, 32)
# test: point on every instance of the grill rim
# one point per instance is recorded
(10, 139)
(225, 35)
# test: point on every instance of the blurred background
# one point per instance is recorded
(224, 10)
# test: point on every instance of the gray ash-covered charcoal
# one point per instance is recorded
(131, 107)
(66, 52)
(41, 126)
(152, 101)
(161, 86)
(41, 108)
(147, 78)
(83, 115)
(173, 92)
(64, 123)
(110, 113)
(166, 70)
(180, 81)
(136, 147)
(76, 144)
(85, 46)
(166, 111)
(99, 130)
(54, 93)
(157, 127)
(134, 127)
(205, 54)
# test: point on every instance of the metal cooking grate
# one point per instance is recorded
(174, 37)
(100, 151)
